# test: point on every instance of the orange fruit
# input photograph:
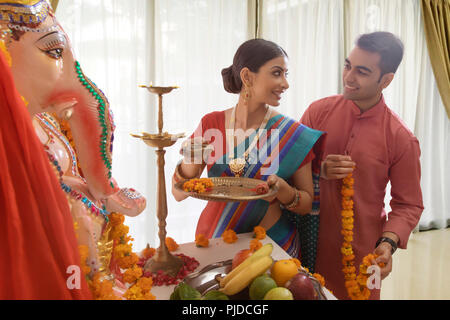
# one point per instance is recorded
(283, 270)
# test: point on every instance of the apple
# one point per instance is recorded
(240, 257)
(302, 287)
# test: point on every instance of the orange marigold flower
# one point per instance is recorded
(349, 269)
(102, 290)
(148, 252)
(132, 274)
(122, 250)
(84, 255)
(259, 232)
(119, 231)
(229, 236)
(127, 261)
(347, 204)
(149, 296)
(347, 192)
(361, 279)
(198, 185)
(171, 244)
(347, 213)
(134, 293)
(145, 283)
(201, 241)
(351, 283)
(255, 244)
(116, 219)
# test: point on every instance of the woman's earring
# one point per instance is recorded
(247, 94)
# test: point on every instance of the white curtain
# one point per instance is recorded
(121, 44)
(311, 32)
(194, 41)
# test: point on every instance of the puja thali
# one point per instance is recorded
(230, 189)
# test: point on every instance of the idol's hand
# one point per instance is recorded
(196, 150)
(337, 166)
(384, 257)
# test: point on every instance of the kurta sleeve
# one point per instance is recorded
(406, 193)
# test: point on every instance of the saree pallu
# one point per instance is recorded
(281, 150)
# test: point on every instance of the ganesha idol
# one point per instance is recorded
(72, 118)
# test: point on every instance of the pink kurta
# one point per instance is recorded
(383, 149)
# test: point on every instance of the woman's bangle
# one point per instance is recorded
(178, 176)
(295, 203)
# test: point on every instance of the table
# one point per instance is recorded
(218, 250)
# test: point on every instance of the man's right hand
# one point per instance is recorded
(336, 166)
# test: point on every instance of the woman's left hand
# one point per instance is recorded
(274, 181)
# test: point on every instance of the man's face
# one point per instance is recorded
(361, 78)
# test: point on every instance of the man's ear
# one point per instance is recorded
(386, 79)
(246, 77)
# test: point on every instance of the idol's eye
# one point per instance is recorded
(52, 44)
(54, 53)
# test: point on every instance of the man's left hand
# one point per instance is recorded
(384, 256)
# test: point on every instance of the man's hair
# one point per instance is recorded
(387, 45)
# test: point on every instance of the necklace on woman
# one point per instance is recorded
(237, 164)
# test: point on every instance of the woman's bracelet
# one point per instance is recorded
(295, 203)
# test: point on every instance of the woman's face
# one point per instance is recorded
(270, 81)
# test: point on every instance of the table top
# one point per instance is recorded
(217, 251)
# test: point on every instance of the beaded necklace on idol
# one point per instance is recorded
(238, 164)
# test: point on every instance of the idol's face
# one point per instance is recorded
(362, 79)
(39, 62)
(270, 82)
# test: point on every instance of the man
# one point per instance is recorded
(366, 138)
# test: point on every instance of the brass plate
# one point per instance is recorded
(230, 189)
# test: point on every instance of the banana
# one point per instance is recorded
(265, 250)
(246, 276)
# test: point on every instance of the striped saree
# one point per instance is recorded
(281, 150)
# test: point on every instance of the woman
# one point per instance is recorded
(253, 140)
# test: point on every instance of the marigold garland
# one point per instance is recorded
(126, 259)
(356, 285)
(84, 254)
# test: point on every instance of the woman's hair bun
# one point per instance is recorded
(229, 80)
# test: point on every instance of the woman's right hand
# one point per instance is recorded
(337, 166)
(196, 150)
